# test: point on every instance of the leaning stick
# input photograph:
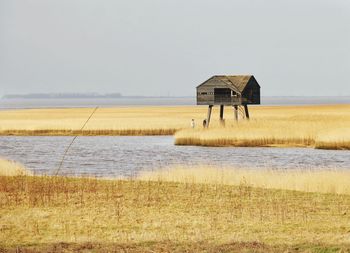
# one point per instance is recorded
(71, 143)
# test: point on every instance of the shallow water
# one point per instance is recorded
(20, 103)
(126, 156)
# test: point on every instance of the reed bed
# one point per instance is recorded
(172, 213)
(11, 168)
(319, 180)
(338, 138)
(326, 127)
(323, 126)
(102, 132)
(106, 121)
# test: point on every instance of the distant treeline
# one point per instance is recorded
(64, 95)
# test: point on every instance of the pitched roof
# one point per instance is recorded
(235, 82)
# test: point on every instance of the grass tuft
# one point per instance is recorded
(312, 180)
(11, 168)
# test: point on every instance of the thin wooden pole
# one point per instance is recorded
(221, 112)
(209, 114)
(246, 111)
(235, 109)
(71, 143)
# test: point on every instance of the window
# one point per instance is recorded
(205, 93)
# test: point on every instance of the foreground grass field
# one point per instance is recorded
(326, 126)
(172, 214)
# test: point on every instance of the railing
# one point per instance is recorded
(227, 100)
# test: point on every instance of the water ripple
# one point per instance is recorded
(128, 155)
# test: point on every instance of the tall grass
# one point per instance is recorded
(106, 121)
(319, 126)
(180, 210)
(338, 138)
(312, 180)
(11, 168)
(308, 126)
(167, 119)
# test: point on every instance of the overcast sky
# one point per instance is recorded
(168, 47)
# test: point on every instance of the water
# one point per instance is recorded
(128, 155)
(23, 103)
(20, 103)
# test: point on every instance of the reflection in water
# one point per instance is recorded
(126, 156)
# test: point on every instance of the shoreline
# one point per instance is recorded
(103, 132)
(314, 144)
(177, 141)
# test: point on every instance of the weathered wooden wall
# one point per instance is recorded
(205, 92)
(251, 94)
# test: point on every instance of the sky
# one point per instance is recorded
(168, 47)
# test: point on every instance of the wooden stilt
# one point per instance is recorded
(221, 112)
(222, 122)
(235, 109)
(246, 112)
(209, 114)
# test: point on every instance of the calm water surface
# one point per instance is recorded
(20, 103)
(126, 156)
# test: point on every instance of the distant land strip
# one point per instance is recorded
(103, 132)
(62, 95)
(80, 96)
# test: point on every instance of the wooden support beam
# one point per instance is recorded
(235, 109)
(209, 114)
(222, 122)
(246, 112)
(221, 112)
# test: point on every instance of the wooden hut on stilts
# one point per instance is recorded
(236, 91)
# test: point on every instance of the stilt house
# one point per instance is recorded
(239, 90)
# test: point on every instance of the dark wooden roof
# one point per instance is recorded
(236, 83)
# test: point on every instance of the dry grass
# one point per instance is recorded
(312, 180)
(338, 138)
(316, 126)
(106, 121)
(325, 127)
(60, 214)
(11, 168)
